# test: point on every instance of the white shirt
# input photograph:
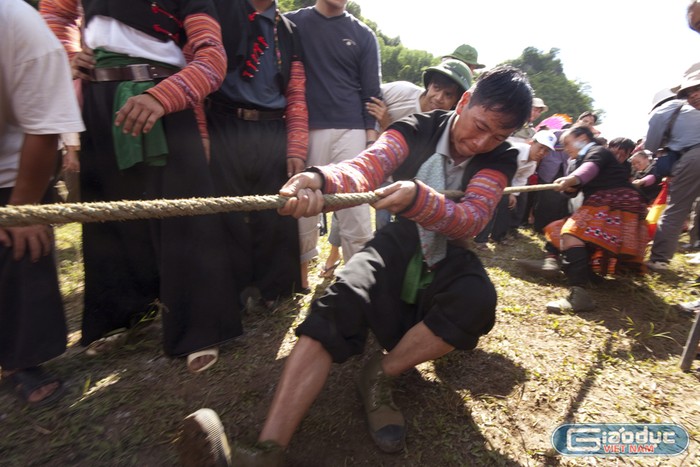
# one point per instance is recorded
(401, 99)
(526, 167)
(112, 35)
(36, 89)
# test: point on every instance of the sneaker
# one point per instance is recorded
(658, 266)
(203, 443)
(386, 422)
(693, 258)
(688, 308)
(547, 268)
(578, 301)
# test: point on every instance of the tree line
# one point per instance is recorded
(544, 69)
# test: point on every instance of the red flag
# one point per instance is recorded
(657, 208)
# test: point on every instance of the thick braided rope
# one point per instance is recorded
(130, 210)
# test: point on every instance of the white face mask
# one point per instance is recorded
(579, 144)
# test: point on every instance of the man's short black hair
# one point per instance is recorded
(506, 90)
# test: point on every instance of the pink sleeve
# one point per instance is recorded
(587, 172)
(466, 218)
(649, 180)
(369, 169)
(297, 114)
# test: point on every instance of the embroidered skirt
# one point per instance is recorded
(613, 225)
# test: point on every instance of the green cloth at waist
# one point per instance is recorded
(417, 277)
(105, 59)
(150, 148)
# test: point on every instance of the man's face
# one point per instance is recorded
(538, 151)
(572, 146)
(694, 17)
(693, 96)
(536, 112)
(440, 97)
(477, 130)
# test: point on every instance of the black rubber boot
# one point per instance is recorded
(575, 266)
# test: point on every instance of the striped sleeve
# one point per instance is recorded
(368, 170)
(63, 18)
(203, 75)
(297, 113)
(466, 218)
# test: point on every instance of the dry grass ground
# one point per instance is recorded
(496, 405)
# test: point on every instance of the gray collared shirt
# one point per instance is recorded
(453, 172)
(686, 129)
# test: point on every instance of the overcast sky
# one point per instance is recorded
(624, 50)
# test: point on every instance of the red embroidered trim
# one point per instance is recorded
(175, 37)
(155, 8)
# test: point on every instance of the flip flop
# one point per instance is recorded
(24, 382)
(328, 273)
(108, 343)
(212, 352)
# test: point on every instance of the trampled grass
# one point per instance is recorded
(496, 405)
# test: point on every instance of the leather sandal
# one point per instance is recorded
(23, 383)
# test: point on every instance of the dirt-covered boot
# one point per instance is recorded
(386, 423)
(578, 301)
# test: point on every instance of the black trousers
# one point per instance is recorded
(32, 323)
(549, 206)
(182, 261)
(497, 227)
(250, 158)
(458, 306)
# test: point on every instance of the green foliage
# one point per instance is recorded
(402, 64)
(547, 77)
(545, 70)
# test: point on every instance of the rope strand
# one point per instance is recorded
(14, 216)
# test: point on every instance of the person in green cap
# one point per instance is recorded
(444, 85)
(467, 54)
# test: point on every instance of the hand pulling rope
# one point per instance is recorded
(13, 216)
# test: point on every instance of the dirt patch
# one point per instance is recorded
(496, 405)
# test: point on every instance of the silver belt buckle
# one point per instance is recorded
(140, 72)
